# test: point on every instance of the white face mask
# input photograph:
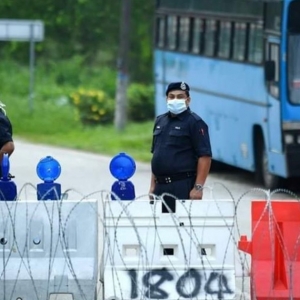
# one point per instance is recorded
(176, 106)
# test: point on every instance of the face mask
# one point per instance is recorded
(176, 106)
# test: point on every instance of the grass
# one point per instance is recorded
(50, 119)
(135, 140)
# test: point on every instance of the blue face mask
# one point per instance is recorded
(176, 106)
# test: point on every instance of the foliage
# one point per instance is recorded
(73, 72)
(141, 102)
(93, 107)
(90, 29)
(141, 45)
(68, 71)
(52, 122)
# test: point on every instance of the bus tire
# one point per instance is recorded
(217, 166)
(262, 174)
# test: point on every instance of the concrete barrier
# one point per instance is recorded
(155, 255)
(48, 250)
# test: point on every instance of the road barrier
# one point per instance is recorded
(274, 249)
(188, 254)
(48, 250)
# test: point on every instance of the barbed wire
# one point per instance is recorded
(93, 247)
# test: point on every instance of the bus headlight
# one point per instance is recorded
(288, 139)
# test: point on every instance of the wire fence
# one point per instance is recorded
(92, 247)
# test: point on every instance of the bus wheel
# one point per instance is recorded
(263, 176)
(217, 166)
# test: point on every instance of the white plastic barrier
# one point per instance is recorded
(188, 254)
(48, 250)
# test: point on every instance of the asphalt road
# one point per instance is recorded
(86, 173)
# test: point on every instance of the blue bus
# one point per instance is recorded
(241, 59)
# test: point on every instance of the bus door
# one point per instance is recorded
(273, 101)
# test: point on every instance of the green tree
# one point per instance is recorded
(84, 27)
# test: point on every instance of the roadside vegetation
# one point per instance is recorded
(75, 76)
(52, 117)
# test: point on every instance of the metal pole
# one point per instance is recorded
(31, 67)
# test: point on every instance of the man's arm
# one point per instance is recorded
(6, 140)
(203, 168)
(152, 180)
(7, 148)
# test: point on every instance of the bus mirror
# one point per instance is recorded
(270, 70)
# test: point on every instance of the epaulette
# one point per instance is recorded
(196, 117)
(161, 116)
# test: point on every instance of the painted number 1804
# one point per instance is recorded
(164, 283)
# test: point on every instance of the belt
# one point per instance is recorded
(175, 177)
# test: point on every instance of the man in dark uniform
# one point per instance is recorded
(181, 150)
(6, 132)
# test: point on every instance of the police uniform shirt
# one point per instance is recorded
(178, 142)
(5, 130)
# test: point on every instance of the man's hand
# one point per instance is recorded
(196, 194)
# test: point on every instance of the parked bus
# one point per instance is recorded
(241, 59)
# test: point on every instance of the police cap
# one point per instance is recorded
(178, 86)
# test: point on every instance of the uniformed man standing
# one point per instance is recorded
(181, 149)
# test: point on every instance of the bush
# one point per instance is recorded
(93, 107)
(68, 72)
(103, 78)
(140, 102)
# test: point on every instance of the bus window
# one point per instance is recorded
(198, 31)
(273, 55)
(293, 17)
(239, 44)
(184, 30)
(160, 33)
(172, 32)
(224, 39)
(294, 68)
(273, 12)
(210, 37)
(255, 43)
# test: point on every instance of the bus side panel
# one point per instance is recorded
(160, 82)
(225, 77)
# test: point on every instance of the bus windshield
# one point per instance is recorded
(294, 68)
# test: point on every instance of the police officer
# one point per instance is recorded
(181, 150)
(6, 140)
